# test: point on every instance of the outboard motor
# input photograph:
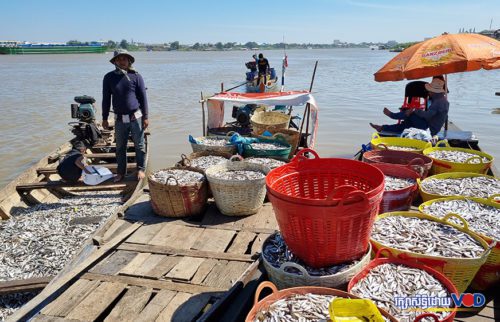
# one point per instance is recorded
(85, 129)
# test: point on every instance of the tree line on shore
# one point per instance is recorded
(220, 46)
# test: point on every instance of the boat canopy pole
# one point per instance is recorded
(307, 110)
(203, 113)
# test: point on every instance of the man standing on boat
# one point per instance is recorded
(130, 106)
(263, 66)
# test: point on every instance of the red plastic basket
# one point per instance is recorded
(418, 162)
(378, 260)
(394, 200)
(325, 208)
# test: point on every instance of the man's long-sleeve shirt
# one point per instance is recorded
(436, 114)
(128, 94)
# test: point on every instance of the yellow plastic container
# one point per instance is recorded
(489, 273)
(426, 196)
(442, 166)
(385, 143)
(354, 310)
(460, 271)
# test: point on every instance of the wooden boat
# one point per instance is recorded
(272, 85)
(40, 183)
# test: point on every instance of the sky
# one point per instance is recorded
(190, 21)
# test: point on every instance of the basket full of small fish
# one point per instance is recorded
(277, 149)
(178, 191)
(483, 217)
(448, 159)
(449, 248)
(203, 160)
(212, 143)
(400, 187)
(419, 163)
(393, 284)
(398, 144)
(463, 184)
(238, 187)
(304, 304)
(268, 162)
(287, 270)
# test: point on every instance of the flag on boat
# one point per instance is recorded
(285, 61)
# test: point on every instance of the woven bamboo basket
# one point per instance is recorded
(283, 279)
(228, 148)
(460, 271)
(290, 136)
(269, 121)
(185, 161)
(237, 197)
(178, 200)
(489, 274)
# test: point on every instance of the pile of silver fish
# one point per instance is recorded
(402, 148)
(9, 303)
(298, 307)
(481, 218)
(276, 252)
(384, 283)
(38, 241)
(424, 236)
(206, 162)
(267, 146)
(240, 175)
(456, 156)
(395, 183)
(212, 141)
(183, 177)
(480, 187)
(268, 162)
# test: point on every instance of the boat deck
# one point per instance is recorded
(160, 269)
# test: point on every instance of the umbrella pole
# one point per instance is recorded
(446, 95)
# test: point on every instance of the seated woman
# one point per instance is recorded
(71, 167)
(408, 120)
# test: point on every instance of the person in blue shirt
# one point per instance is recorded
(125, 88)
(408, 120)
(437, 113)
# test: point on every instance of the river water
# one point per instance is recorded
(36, 92)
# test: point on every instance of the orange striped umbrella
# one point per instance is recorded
(445, 54)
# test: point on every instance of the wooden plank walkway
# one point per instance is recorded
(167, 270)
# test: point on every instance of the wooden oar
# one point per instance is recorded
(227, 90)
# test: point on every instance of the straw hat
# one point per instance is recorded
(124, 52)
(436, 86)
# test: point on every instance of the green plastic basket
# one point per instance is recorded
(281, 154)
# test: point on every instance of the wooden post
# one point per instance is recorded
(221, 87)
(203, 114)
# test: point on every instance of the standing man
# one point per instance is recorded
(130, 106)
(263, 66)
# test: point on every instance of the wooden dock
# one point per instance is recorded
(150, 268)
